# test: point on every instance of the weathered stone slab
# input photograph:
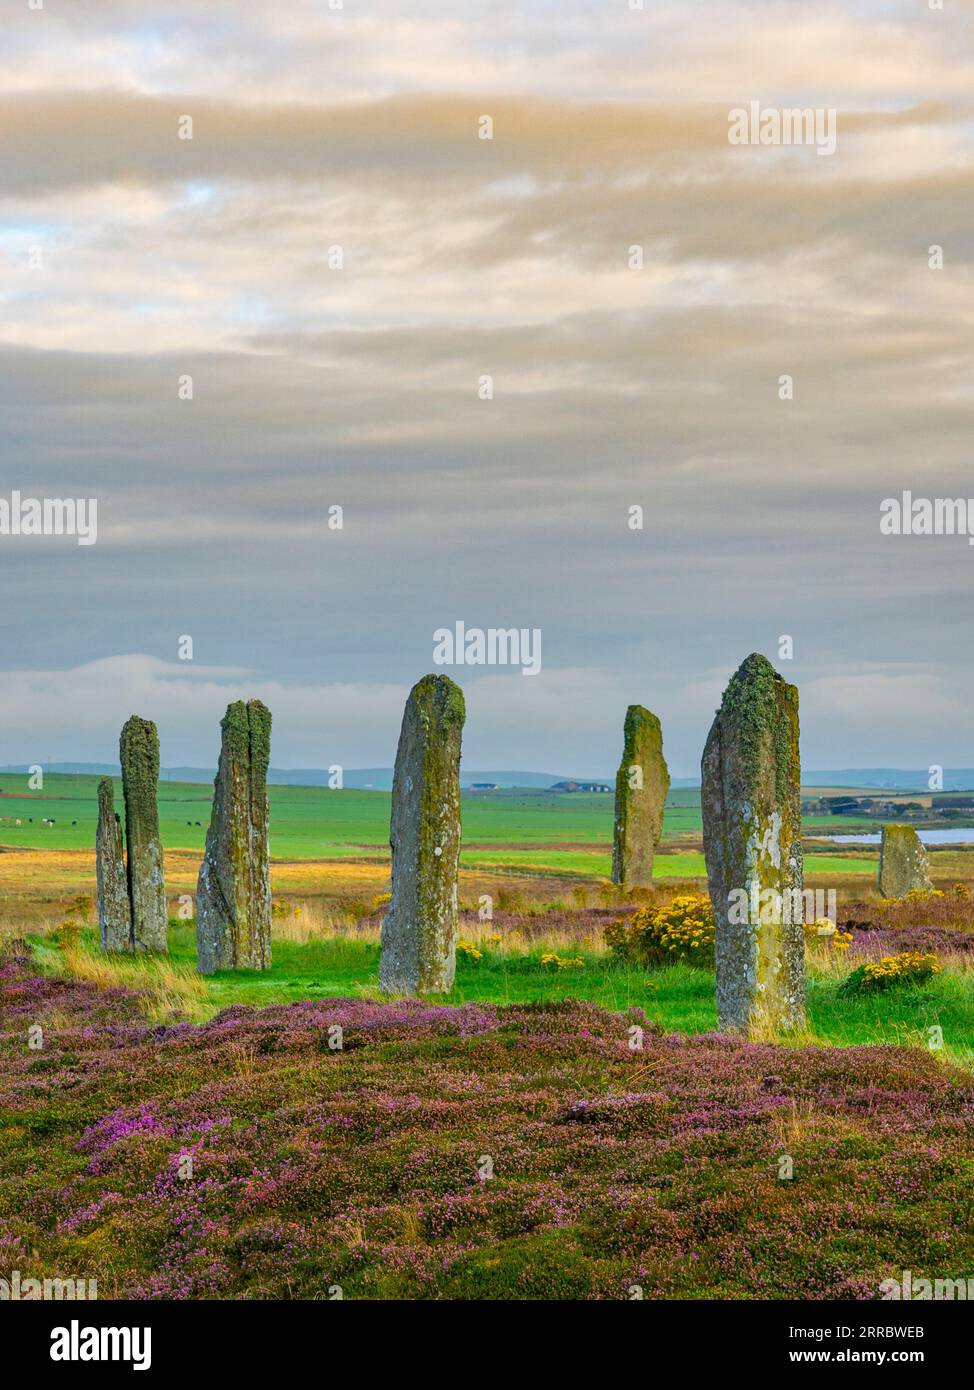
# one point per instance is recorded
(903, 864)
(642, 783)
(139, 756)
(114, 915)
(233, 896)
(751, 802)
(419, 930)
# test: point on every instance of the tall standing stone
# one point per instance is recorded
(419, 931)
(114, 914)
(139, 756)
(642, 783)
(233, 897)
(902, 862)
(751, 801)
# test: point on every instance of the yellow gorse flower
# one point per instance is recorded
(901, 967)
(682, 930)
(551, 960)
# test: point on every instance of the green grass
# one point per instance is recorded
(679, 997)
(903, 1014)
(682, 864)
(528, 831)
(313, 822)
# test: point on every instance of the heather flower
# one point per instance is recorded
(362, 1167)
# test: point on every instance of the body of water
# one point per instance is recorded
(963, 835)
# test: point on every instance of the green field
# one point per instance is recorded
(525, 831)
(314, 822)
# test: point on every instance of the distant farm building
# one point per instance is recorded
(581, 787)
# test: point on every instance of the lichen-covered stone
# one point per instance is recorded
(114, 914)
(642, 783)
(902, 862)
(139, 756)
(751, 802)
(419, 930)
(233, 896)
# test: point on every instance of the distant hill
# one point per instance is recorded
(359, 778)
(957, 779)
(380, 778)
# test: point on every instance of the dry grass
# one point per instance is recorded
(949, 906)
(350, 1232)
(409, 1223)
(166, 990)
(510, 939)
(824, 960)
(302, 922)
(551, 926)
(243, 1056)
(792, 1123)
(38, 887)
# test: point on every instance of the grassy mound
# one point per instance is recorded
(479, 1151)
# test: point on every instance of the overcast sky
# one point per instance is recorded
(462, 257)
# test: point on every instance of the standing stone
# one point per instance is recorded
(751, 801)
(419, 931)
(902, 862)
(139, 756)
(233, 897)
(114, 915)
(642, 783)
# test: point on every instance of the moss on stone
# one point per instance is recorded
(114, 912)
(138, 752)
(903, 864)
(259, 728)
(439, 698)
(106, 797)
(235, 730)
(751, 803)
(419, 930)
(233, 893)
(760, 703)
(638, 823)
(139, 756)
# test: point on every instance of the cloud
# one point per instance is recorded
(130, 259)
(313, 725)
(566, 720)
(510, 716)
(305, 50)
